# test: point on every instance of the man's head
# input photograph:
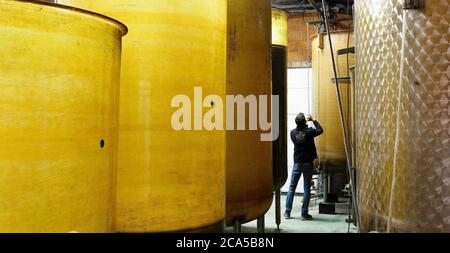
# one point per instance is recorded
(300, 120)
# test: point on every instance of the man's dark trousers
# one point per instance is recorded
(307, 170)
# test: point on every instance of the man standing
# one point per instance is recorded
(304, 155)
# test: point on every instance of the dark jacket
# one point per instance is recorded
(303, 139)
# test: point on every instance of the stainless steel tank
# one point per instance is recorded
(402, 116)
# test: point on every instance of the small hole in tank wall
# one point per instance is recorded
(102, 143)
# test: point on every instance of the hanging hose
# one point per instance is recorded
(398, 124)
(341, 115)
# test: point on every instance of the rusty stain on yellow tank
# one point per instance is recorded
(59, 72)
(168, 180)
(249, 161)
(330, 145)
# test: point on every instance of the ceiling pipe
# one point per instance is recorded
(292, 6)
(331, 21)
(317, 7)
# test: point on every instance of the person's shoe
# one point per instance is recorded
(307, 217)
(287, 215)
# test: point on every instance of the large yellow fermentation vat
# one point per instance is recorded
(249, 160)
(59, 80)
(279, 88)
(279, 27)
(402, 117)
(325, 109)
(168, 180)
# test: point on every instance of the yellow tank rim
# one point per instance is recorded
(122, 27)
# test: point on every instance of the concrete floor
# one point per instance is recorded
(322, 223)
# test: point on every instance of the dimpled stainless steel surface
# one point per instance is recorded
(374, 157)
(427, 80)
(419, 194)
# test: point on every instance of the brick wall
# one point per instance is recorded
(299, 47)
(299, 52)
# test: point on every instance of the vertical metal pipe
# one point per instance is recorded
(237, 227)
(278, 208)
(325, 186)
(341, 114)
(260, 224)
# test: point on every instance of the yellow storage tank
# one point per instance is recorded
(249, 160)
(279, 88)
(59, 72)
(279, 27)
(168, 180)
(330, 145)
(402, 116)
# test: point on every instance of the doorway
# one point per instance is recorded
(299, 100)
